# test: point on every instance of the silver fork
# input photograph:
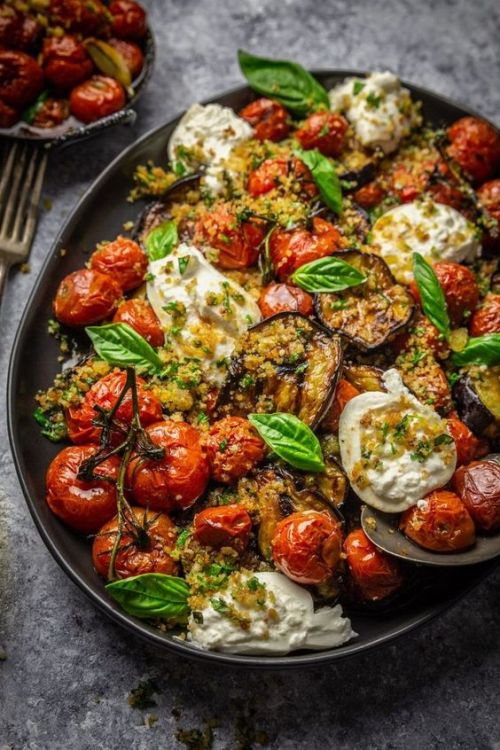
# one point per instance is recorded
(21, 181)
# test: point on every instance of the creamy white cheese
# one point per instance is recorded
(398, 479)
(379, 109)
(436, 231)
(213, 129)
(202, 311)
(294, 624)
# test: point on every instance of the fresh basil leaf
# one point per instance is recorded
(431, 294)
(161, 241)
(327, 275)
(54, 431)
(286, 82)
(32, 111)
(290, 439)
(325, 177)
(481, 350)
(151, 595)
(119, 344)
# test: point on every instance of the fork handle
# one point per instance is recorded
(4, 270)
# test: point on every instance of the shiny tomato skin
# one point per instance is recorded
(21, 78)
(96, 97)
(223, 526)
(139, 315)
(459, 286)
(122, 259)
(277, 298)
(53, 112)
(86, 296)
(176, 481)
(8, 115)
(475, 146)
(489, 197)
(129, 19)
(324, 131)
(268, 118)
(478, 484)
(104, 394)
(306, 546)
(143, 553)
(448, 195)
(486, 319)
(290, 250)
(17, 30)
(369, 195)
(344, 392)
(66, 62)
(233, 449)
(467, 444)
(443, 524)
(272, 173)
(238, 243)
(374, 574)
(131, 53)
(84, 16)
(82, 505)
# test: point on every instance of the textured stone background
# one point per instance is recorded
(67, 673)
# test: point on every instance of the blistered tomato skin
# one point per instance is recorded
(82, 505)
(475, 146)
(274, 172)
(268, 118)
(468, 445)
(97, 97)
(277, 298)
(374, 574)
(486, 318)
(131, 53)
(129, 19)
(175, 481)
(65, 61)
(290, 250)
(21, 78)
(460, 289)
(441, 524)
(369, 195)
(122, 259)
(324, 131)
(478, 484)
(85, 297)
(306, 547)
(17, 30)
(139, 315)
(138, 553)
(237, 243)
(344, 392)
(223, 526)
(233, 449)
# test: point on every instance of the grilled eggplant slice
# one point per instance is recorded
(477, 397)
(285, 363)
(364, 377)
(371, 313)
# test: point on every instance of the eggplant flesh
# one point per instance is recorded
(477, 398)
(371, 313)
(364, 377)
(285, 363)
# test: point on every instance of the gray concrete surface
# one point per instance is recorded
(68, 672)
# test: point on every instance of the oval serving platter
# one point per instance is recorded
(100, 215)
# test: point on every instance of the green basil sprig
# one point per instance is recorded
(119, 344)
(481, 350)
(290, 439)
(161, 241)
(324, 176)
(152, 595)
(327, 275)
(286, 82)
(32, 111)
(431, 294)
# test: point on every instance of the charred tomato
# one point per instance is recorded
(268, 118)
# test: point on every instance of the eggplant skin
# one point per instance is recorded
(369, 314)
(471, 409)
(286, 363)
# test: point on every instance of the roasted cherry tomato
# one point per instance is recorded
(440, 522)
(86, 296)
(422, 336)
(487, 318)
(103, 396)
(460, 289)
(468, 445)
(223, 526)
(233, 449)
(277, 298)
(275, 172)
(144, 547)
(122, 259)
(475, 146)
(478, 484)
(448, 195)
(17, 30)
(51, 113)
(268, 118)
(21, 78)
(489, 196)
(175, 481)
(8, 115)
(97, 97)
(140, 316)
(82, 505)
(324, 131)
(344, 392)
(306, 546)
(65, 61)
(238, 243)
(131, 53)
(369, 195)
(374, 574)
(408, 181)
(291, 249)
(129, 19)
(85, 16)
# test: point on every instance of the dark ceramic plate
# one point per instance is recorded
(72, 130)
(100, 215)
